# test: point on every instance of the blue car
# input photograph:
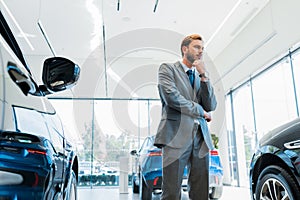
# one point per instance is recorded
(147, 177)
(37, 161)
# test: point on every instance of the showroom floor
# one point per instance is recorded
(112, 193)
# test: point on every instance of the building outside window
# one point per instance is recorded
(104, 131)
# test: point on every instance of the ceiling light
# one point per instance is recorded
(97, 21)
(223, 22)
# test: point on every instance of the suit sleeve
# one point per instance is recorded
(171, 96)
(206, 96)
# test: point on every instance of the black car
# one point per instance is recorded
(275, 167)
(37, 162)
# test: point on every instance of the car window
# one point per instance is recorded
(146, 145)
(24, 123)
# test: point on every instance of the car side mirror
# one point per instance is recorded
(133, 152)
(59, 74)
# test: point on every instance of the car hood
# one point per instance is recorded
(281, 135)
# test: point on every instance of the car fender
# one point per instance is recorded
(265, 156)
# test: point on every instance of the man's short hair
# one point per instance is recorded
(188, 39)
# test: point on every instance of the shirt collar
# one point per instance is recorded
(185, 68)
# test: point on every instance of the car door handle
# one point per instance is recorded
(292, 145)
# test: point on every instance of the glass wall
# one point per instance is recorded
(104, 131)
(232, 148)
(260, 104)
(244, 130)
(274, 99)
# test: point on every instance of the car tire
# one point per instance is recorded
(145, 191)
(71, 190)
(279, 180)
(216, 193)
(135, 187)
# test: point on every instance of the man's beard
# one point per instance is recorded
(190, 58)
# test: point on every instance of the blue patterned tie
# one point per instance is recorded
(191, 77)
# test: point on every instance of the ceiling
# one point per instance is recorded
(119, 44)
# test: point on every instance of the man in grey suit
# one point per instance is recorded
(187, 97)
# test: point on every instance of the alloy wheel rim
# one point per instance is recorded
(273, 189)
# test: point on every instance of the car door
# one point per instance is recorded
(56, 134)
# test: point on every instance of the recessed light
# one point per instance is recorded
(28, 35)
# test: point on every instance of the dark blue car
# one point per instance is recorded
(147, 178)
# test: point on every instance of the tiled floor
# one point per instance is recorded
(112, 193)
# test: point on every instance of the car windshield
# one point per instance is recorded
(153, 163)
(147, 145)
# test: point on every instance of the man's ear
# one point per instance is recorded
(184, 49)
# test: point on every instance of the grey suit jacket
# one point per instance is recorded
(182, 106)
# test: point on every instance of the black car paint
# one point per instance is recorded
(273, 151)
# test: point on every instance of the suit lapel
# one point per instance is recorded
(192, 92)
(184, 76)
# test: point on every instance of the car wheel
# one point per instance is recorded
(135, 187)
(276, 183)
(145, 191)
(71, 190)
(216, 192)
